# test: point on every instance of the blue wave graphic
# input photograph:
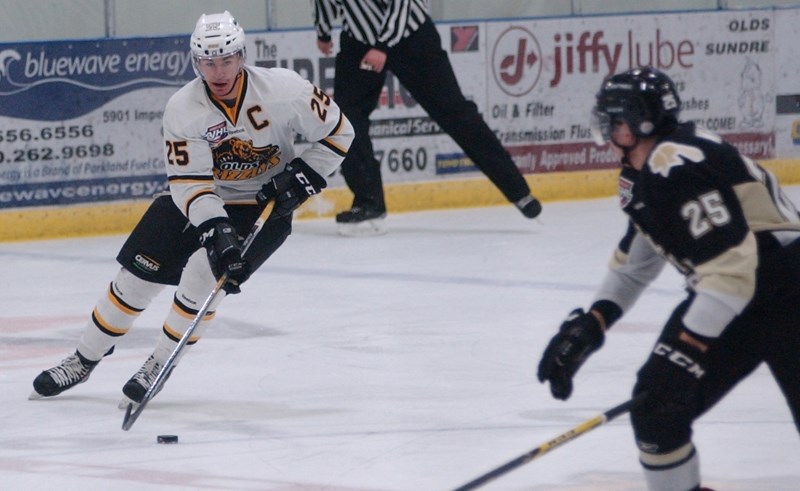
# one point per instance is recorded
(61, 100)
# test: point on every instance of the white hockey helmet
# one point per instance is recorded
(216, 35)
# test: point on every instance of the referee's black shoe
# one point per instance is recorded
(361, 222)
(529, 206)
(359, 214)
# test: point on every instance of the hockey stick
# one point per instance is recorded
(561, 439)
(132, 415)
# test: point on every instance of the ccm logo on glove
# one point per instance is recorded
(307, 186)
(291, 187)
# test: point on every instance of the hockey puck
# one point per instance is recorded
(167, 439)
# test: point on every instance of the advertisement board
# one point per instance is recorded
(80, 121)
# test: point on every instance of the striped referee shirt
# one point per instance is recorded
(379, 23)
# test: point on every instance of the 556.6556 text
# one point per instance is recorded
(46, 133)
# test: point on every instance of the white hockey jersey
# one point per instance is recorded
(217, 155)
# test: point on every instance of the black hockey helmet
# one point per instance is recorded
(645, 98)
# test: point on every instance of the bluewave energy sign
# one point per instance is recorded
(80, 122)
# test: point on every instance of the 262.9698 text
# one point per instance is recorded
(65, 152)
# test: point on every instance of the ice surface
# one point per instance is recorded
(404, 362)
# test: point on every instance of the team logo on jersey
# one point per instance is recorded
(671, 154)
(625, 192)
(236, 159)
(216, 133)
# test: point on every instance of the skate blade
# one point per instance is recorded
(125, 401)
(35, 396)
(367, 228)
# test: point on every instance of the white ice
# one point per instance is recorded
(398, 363)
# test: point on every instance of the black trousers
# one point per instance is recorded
(160, 245)
(424, 69)
(767, 331)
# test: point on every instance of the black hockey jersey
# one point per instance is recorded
(698, 203)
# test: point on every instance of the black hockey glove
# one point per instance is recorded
(291, 187)
(578, 337)
(224, 250)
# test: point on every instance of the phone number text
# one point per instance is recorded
(46, 133)
(63, 153)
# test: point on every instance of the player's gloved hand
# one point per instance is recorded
(224, 250)
(291, 187)
(578, 337)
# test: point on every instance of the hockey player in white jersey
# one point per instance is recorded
(229, 142)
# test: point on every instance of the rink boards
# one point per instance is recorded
(118, 218)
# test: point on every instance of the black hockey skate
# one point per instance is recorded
(138, 385)
(361, 222)
(73, 370)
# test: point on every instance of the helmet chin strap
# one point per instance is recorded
(236, 80)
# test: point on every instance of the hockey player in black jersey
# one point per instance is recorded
(722, 220)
